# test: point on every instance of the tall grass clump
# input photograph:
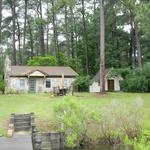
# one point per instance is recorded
(109, 125)
(120, 120)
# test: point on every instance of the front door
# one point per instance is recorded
(110, 85)
(32, 85)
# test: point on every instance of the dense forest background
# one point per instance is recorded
(67, 32)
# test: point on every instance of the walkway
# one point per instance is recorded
(17, 142)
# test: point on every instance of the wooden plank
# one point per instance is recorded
(17, 142)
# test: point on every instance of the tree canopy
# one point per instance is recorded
(67, 33)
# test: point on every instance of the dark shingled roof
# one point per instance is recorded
(50, 71)
(96, 78)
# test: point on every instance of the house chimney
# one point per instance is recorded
(7, 71)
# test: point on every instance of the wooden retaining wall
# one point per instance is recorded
(20, 122)
(47, 141)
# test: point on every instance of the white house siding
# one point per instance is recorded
(96, 88)
(117, 84)
(40, 84)
(15, 84)
(55, 82)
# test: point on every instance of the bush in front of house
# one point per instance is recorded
(137, 80)
(2, 86)
(12, 91)
(82, 82)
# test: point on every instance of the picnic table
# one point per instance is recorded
(57, 91)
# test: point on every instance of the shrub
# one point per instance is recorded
(82, 82)
(123, 72)
(137, 80)
(72, 120)
(62, 59)
(12, 91)
(42, 61)
(2, 86)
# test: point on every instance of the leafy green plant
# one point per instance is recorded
(141, 143)
(137, 80)
(42, 61)
(82, 82)
(73, 121)
(2, 85)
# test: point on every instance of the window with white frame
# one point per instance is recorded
(48, 83)
(22, 84)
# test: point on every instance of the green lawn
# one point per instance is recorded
(42, 104)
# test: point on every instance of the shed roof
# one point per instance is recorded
(49, 71)
(96, 78)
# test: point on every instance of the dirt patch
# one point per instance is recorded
(79, 96)
(100, 95)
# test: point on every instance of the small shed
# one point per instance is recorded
(112, 81)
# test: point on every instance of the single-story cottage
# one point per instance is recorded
(37, 79)
(112, 83)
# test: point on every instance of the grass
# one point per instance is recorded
(42, 105)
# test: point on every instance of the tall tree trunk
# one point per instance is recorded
(131, 50)
(47, 30)
(95, 36)
(67, 34)
(19, 42)
(85, 38)
(76, 40)
(55, 42)
(102, 47)
(138, 46)
(42, 46)
(24, 32)
(94, 8)
(13, 10)
(47, 39)
(31, 39)
(72, 33)
(0, 21)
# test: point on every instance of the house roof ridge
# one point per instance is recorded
(38, 66)
(21, 70)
